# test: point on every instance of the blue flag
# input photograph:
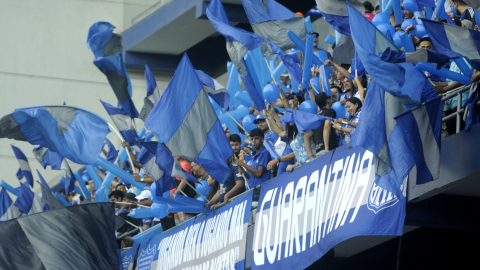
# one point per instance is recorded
(421, 55)
(336, 14)
(153, 95)
(70, 180)
(124, 123)
(25, 199)
(112, 153)
(107, 49)
(291, 62)
(163, 181)
(190, 128)
(272, 21)
(7, 209)
(214, 89)
(357, 66)
(78, 135)
(303, 120)
(452, 40)
(24, 166)
(472, 112)
(50, 200)
(47, 157)
(422, 128)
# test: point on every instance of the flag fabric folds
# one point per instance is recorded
(70, 180)
(420, 55)
(422, 127)
(336, 14)
(123, 122)
(214, 89)
(452, 40)
(192, 130)
(107, 50)
(7, 209)
(291, 62)
(474, 4)
(271, 20)
(47, 195)
(25, 199)
(357, 66)
(303, 120)
(163, 181)
(24, 166)
(153, 95)
(47, 157)
(38, 242)
(112, 153)
(472, 110)
(74, 133)
(344, 50)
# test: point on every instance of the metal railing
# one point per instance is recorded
(451, 94)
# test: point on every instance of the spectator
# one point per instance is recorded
(90, 185)
(285, 79)
(315, 41)
(270, 136)
(354, 106)
(182, 186)
(324, 136)
(121, 187)
(368, 10)
(116, 196)
(465, 12)
(256, 169)
(214, 188)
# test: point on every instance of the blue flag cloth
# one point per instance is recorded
(7, 209)
(357, 66)
(153, 95)
(70, 180)
(336, 14)
(214, 89)
(472, 110)
(303, 120)
(191, 128)
(24, 166)
(107, 49)
(449, 19)
(163, 180)
(452, 40)
(272, 21)
(112, 153)
(47, 157)
(124, 123)
(25, 199)
(474, 4)
(50, 200)
(78, 135)
(19, 174)
(177, 206)
(421, 55)
(239, 41)
(291, 62)
(324, 79)
(422, 128)
(43, 182)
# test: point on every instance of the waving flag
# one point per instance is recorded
(291, 62)
(344, 50)
(7, 209)
(422, 128)
(303, 120)
(358, 67)
(153, 95)
(214, 89)
(272, 21)
(163, 181)
(47, 157)
(336, 14)
(25, 199)
(190, 128)
(70, 180)
(420, 55)
(107, 49)
(474, 4)
(112, 153)
(452, 40)
(24, 166)
(123, 122)
(74, 133)
(472, 113)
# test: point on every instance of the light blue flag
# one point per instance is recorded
(24, 166)
(7, 209)
(77, 134)
(124, 123)
(272, 21)
(303, 120)
(191, 128)
(422, 128)
(107, 49)
(153, 95)
(47, 157)
(335, 13)
(214, 89)
(291, 62)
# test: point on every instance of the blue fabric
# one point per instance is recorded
(111, 63)
(356, 64)
(25, 199)
(221, 98)
(129, 135)
(252, 91)
(150, 80)
(259, 159)
(438, 36)
(426, 3)
(70, 180)
(81, 143)
(50, 158)
(19, 174)
(230, 182)
(291, 62)
(324, 78)
(112, 153)
(282, 167)
(272, 137)
(414, 136)
(27, 172)
(176, 206)
(449, 19)
(271, 149)
(303, 120)
(256, 12)
(5, 201)
(473, 116)
(339, 23)
(43, 182)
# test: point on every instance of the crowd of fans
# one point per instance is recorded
(252, 164)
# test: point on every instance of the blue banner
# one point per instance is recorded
(303, 214)
(216, 240)
(127, 257)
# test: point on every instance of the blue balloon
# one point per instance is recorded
(386, 27)
(420, 31)
(409, 22)
(340, 109)
(201, 189)
(200, 198)
(381, 18)
(214, 104)
(321, 55)
(240, 106)
(309, 106)
(315, 82)
(159, 210)
(248, 124)
(409, 5)
(271, 93)
(397, 40)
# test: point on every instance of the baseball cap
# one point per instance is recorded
(131, 196)
(144, 195)
(259, 117)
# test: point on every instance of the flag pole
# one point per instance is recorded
(271, 73)
(234, 120)
(206, 201)
(122, 140)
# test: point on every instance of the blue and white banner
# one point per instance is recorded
(213, 241)
(303, 214)
(127, 257)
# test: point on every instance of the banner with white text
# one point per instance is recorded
(303, 214)
(213, 241)
(127, 257)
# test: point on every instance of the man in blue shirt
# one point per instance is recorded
(269, 136)
(256, 168)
